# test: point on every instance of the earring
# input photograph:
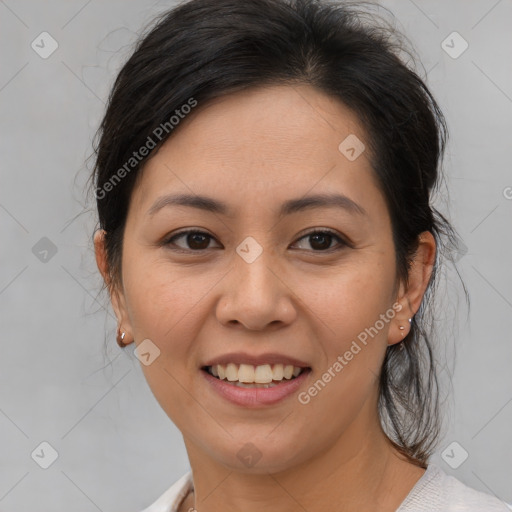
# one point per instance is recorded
(402, 328)
(120, 337)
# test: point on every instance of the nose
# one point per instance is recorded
(255, 295)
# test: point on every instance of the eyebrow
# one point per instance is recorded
(288, 207)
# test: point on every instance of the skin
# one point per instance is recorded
(254, 150)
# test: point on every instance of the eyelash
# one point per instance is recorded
(342, 243)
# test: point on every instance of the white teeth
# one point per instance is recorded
(288, 371)
(231, 372)
(249, 374)
(253, 385)
(246, 373)
(278, 372)
(263, 374)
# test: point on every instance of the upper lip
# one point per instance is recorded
(256, 360)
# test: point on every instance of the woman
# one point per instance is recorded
(263, 181)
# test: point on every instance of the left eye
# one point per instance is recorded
(323, 239)
(199, 240)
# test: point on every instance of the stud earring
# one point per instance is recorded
(120, 337)
(402, 328)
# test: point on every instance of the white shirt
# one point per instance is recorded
(435, 491)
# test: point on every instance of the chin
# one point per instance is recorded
(261, 455)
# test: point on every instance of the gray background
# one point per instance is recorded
(117, 450)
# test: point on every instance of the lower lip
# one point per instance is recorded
(255, 397)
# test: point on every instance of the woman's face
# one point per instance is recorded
(255, 288)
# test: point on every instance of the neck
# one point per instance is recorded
(359, 472)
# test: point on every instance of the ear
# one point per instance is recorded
(411, 294)
(116, 295)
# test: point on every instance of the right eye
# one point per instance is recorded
(196, 240)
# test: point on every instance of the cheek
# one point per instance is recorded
(347, 380)
(352, 297)
(160, 297)
(355, 310)
(163, 306)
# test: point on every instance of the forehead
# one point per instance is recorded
(261, 145)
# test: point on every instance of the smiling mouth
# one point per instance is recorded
(251, 376)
